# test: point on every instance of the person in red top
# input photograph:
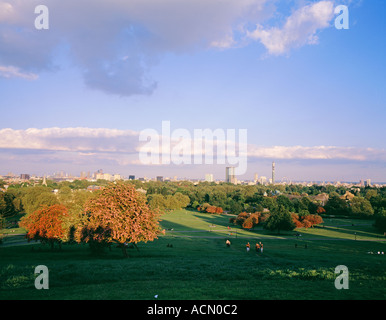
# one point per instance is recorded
(248, 246)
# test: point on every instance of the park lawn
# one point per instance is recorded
(183, 267)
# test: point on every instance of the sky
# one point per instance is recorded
(124, 86)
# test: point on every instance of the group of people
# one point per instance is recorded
(258, 246)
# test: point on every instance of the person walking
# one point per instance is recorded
(261, 247)
(228, 243)
(257, 247)
(248, 246)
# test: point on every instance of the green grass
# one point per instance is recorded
(199, 266)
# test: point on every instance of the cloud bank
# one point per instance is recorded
(116, 43)
(118, 144)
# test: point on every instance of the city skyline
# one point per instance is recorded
(229, 177)
(311, 97)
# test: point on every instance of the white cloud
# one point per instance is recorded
(317, 153)
(99, 33)
(111, 143)
(14, 72)
(299, 29)
(6, 10)
(83, 140)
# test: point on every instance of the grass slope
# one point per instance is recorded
(198, 265)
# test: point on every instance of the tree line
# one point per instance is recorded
(209, 197)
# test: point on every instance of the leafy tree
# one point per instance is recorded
(76, 216)
(65, 195)
(280, 219)
(10, 204)
(320, 210)
(284, 201)
(380, 221)
(35, 197)
(182, 200)
(269, 203)
(157, 201)
(119, 214)
(313, 219)
(361, 206)
(45, 224)
(371, 193)
(172, 203)
(336, 205)
(236, 208)
(241, 217)
(296, 220)
(248, 223)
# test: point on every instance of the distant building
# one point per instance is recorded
(107, 176)
(131, 177)
(209, 177)
(230, 175)
(348, 196)
(160, 178)
(321, 199)
(93, 188)
(256, 178)
(24, 176)
(117, 177)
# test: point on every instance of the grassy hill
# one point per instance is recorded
(192, 262)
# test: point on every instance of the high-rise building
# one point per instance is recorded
(256, 178)
(230, 175)
(24, 176)
(263, 180)
(209, 177)
(273, 172)
(116, 177)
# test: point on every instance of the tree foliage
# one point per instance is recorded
(119, 214)
(280, 219)
(361, 206)
(35, 197)
(45, 224)
(306, 221)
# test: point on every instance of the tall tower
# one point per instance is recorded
(230, 175)
(273, 172)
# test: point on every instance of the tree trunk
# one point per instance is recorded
(124, 251)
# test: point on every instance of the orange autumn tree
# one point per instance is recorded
(120, 215)
(306, 221)
(45, 224)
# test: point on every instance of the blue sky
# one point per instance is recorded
(312, 97)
